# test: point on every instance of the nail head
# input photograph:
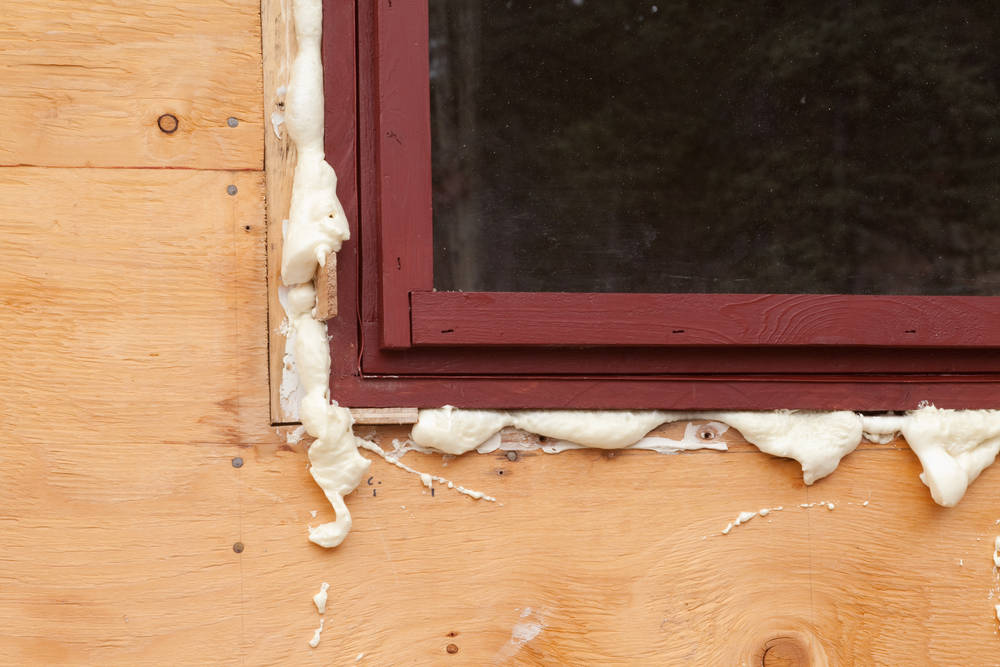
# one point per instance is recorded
(232, 189)
(238, 547)
(238, 462)
(232, 122)
(511, 456)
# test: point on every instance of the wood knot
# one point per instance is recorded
(167, 123)
(785, 652)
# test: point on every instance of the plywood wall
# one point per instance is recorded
(150, 513)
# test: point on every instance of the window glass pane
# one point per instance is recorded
(716, 146)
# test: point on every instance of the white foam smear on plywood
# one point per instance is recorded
(529, 626)
(426, 479)
(953, 446)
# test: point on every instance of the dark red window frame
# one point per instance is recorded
(408, 345)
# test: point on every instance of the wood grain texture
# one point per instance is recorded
(130, 294)
(83, 83)
(118, 555)
(385, 415)
(326, 289)
(564, 319)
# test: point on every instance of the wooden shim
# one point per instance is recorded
(326, 288)
(84, 85)
(134, 308)
(385, 415)
(278, 40)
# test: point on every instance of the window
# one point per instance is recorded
(909, 331)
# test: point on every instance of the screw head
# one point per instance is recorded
(238, 462)
(231, 189)
(232, 122)
(167, 123)
(238, 547)
(511, 456)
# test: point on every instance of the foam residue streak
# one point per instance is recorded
(425, 478)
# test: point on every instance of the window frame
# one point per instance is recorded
(411, 346)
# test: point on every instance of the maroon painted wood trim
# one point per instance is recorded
(403, 161)
(636, 361)
(340, 81)
(340, 84)
(511, 318)
(368, 231)
(574, 378)
(676, 393)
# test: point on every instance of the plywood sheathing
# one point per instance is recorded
(84, 83)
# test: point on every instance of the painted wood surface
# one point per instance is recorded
(134, 375)
(565, 319)
(84, 83)
(402, 135)
(675, 392)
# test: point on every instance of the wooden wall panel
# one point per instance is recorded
(118, 554)
(83, 83)
(130, 295)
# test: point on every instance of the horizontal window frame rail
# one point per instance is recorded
(561, 319)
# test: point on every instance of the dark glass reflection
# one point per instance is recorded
(817, 147)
